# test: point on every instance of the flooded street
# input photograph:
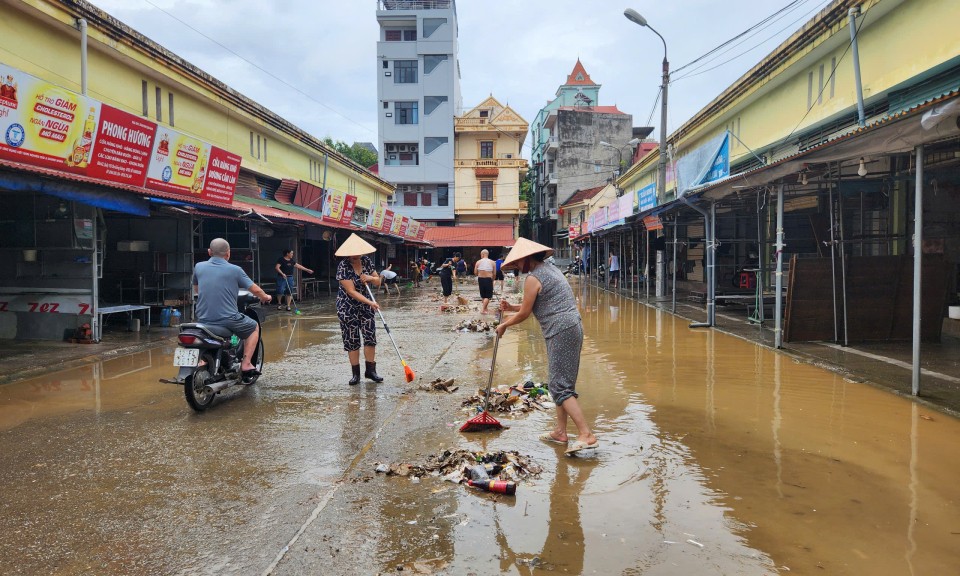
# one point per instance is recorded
(717, 456)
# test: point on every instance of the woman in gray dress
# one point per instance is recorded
(548, 296)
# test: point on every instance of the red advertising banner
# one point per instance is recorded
(46, 125)
(421, 232)
(221, 175)
(338, 207)
(404, 224)
(388, 217)
(123, 146)
(652, 223)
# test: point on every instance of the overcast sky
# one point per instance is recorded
(313, 62)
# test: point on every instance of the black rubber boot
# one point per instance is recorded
(356, 375)
(371, 372)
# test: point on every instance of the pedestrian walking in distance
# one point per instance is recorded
(285, 267)
(485, 270)
(354, 309)
(390, 278)
(499, 276)
(614, 269)
(548, 296)
(448, 273)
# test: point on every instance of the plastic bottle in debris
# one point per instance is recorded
(478, 472)
(498, 486)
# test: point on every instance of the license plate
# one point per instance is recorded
(186, 357)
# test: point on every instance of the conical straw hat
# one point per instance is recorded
(355, 246)
(523, 248)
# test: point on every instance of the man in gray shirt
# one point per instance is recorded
(217, 282)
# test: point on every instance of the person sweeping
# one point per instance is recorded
(548, 296)
(355, 309)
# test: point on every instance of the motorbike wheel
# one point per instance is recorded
(199, 397)
(257, 362)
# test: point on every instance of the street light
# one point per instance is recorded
(619, 150)
(633, 16)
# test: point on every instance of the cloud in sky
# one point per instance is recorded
(324, 51)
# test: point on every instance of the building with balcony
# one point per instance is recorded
(567, 152)
(418, 93)
(489, 166)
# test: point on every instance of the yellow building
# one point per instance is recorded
(489, 166)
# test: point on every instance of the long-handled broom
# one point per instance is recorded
(292, 299)
(407, 371)
(484, 421)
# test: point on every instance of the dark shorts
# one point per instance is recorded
(282, 285)
(393, 280)
(446, 283)
(241, 325)
(499, 275)
(614, 273)
(486, 287)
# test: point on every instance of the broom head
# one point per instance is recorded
(408, 373)
(481, 422)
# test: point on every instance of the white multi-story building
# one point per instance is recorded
(418, 93)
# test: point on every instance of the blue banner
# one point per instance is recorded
(647, 198)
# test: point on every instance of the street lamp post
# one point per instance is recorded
(633, 16)
(619, 150)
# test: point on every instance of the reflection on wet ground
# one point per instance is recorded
(717, 457)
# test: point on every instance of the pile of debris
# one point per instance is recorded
(476, 325)
(458, 466)
(440, 385)
(456, 309)
(512, 399)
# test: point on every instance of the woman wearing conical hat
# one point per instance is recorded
(548, 296)
(355, 309)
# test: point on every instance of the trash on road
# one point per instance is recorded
(511, 399)
(498, 471)
(440, 384)
(475, 325)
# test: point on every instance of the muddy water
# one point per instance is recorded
(761, 459)
(718, 457)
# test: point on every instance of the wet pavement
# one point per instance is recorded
(718, 456)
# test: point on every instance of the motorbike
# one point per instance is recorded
(221, 353)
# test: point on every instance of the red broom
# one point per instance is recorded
(407, 371)
(484, 421)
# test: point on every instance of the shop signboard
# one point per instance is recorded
(404, 224)
(46, 303)
(413, 228)
(652, 223)
(647, 197)
(188, 166)
(338, 207)
(395, 226)
(421, 231)
(627, 207)
(46, 125)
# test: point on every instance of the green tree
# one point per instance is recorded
(356, 152)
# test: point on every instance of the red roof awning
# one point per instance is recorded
(492, 235)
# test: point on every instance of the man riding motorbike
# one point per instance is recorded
(217, 283)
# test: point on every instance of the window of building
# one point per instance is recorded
(486, 149)
(443, 194)
(486, 191)
(410, 199)
(170, 107)
(405, 113)
(258, 146)
(484, 113)
(386, 64)
(159, 106)
(430, 25)
(400, 34)
(431, 61)
(396, 154)
(431, 143)
(430, 103)
(146, 98)
(426, 199)
(405, 72)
